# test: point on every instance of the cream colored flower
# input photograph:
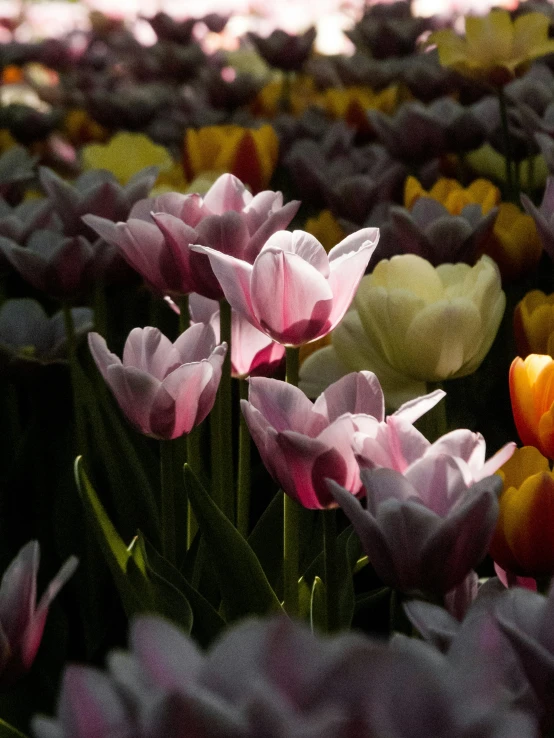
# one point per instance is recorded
(495, 48)
(431, 324)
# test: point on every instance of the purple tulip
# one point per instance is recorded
(295, 292)
(544, 215)
(426, 529)
(165, 389)
(51, 263)
(22, 620)
(276, 679)
(284, 50)
(156, 238)
(430, 231)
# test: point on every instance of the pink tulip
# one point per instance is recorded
(252, 352)
(294, 291)
(155, 239)
(22, 621)
(164, 389)
(397, 444)
(303, 443)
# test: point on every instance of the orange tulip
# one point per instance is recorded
(532, 394)
(523, 542)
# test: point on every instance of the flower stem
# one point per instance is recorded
(194, 460)
(74, 370)
(291, 513)
(100, 309)
(331, 570)
(512, 190)
(184, 316)
(222, 426)
(167, 506)
(243, 482)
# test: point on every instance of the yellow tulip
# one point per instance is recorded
(248, 153)
(514, 243)
(534, 324)
(125, 154)
(351, 104)
(495, 49)
(523, 542)
(326, 229)
(302, 93)
(451, 194)
(81, 129)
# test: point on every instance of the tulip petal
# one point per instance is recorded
(298, 307)
(358, 392)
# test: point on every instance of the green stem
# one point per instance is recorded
(512, 192)
(243, 482)
(284, 103)
(100, 309)
(291, 555)
(225, 398)
(184, 315)
(291, 514)
(293, 364)
(194, 460)
(331, 569)
(74, 370)
(167, 506)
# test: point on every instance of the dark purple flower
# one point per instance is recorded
(284, 50)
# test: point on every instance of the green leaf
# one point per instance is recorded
(206, 622)
(244, 586)
(131, 582)
(266, 541)
(8, 731)
(318, 607)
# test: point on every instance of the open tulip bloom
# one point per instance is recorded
(294, 291)
(302, 443)
(165, 389)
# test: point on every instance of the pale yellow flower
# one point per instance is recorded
(495, 48)
(125, 154)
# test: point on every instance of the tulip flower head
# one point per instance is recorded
(426, 529)
(294, 291)
(428, 323)
(495, 48)
(523, 543)
(534, 324)
(165, 389)
(532, 395)
(22, 621)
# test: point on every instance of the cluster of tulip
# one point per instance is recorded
(274, 455)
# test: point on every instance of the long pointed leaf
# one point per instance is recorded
(243, 584)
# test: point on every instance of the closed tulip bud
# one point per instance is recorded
(532, 395)
(164, 389)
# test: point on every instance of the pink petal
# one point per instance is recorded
(496, 461)
(150, 351)
(196, 343)
(35, 629)
(101, 355)
(226, 233)
(135, 392)
(227, 193)
(357, 392)
(18, 593)
(234, 278)
(413, 409)
(284, 406)
(348, 261)
(276, 221)
(301, 454)
(297, 308)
